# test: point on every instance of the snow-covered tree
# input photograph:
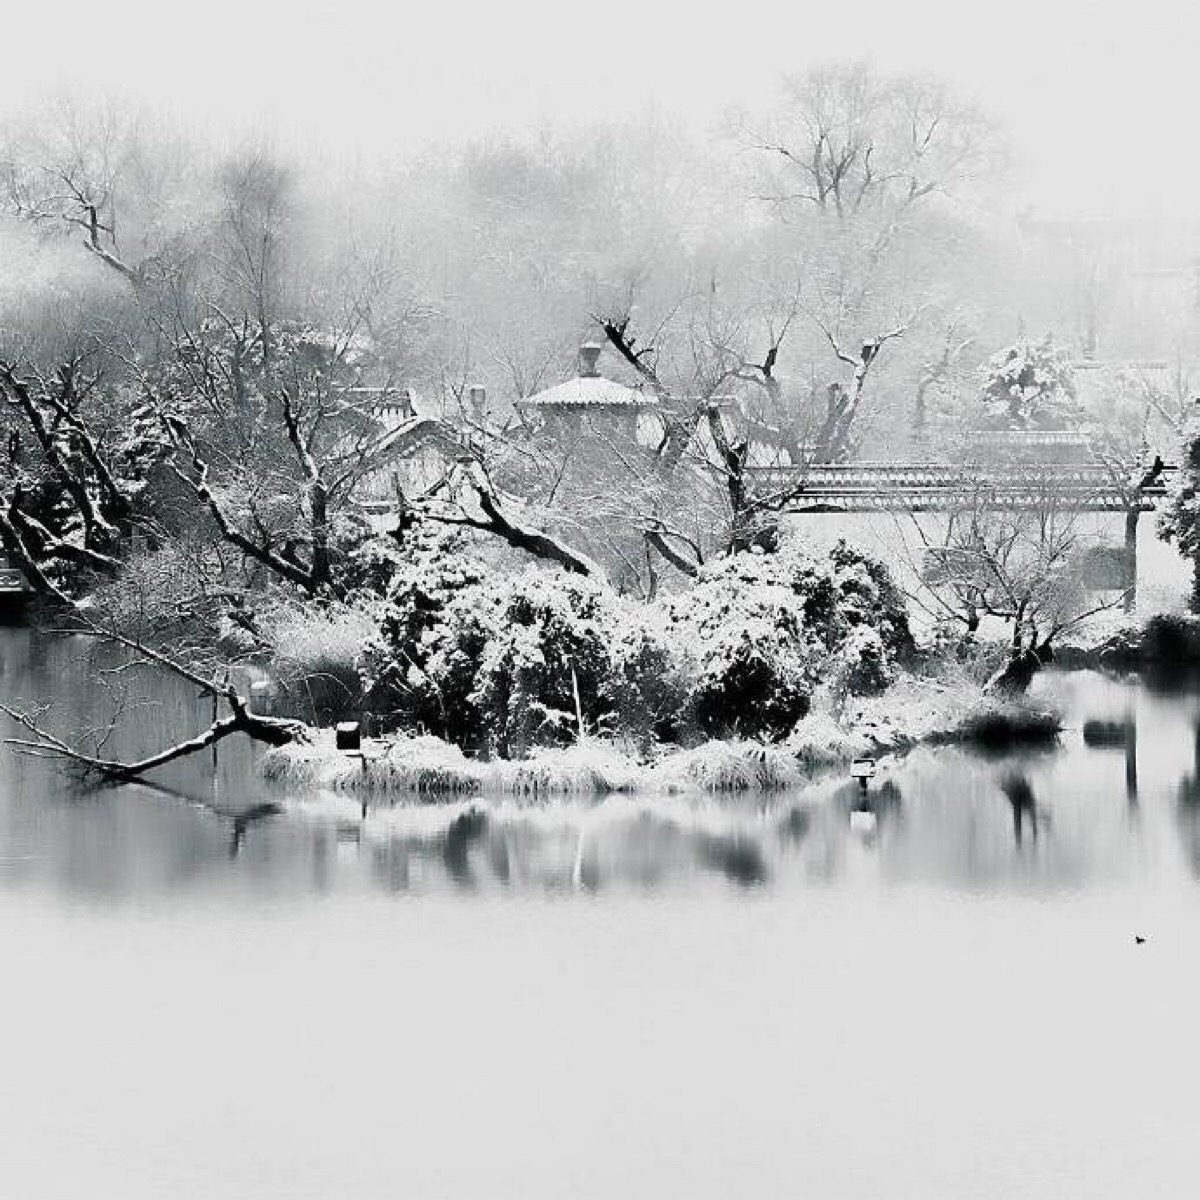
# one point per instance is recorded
(1029, 385)
(1179, 521)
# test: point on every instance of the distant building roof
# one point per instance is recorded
(1048, 445)
(406, 438)
(1120, 364)
(589, 390)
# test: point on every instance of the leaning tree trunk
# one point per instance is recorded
(1022, 664)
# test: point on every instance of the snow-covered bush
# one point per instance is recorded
(546, 664)
(862, 663)
(419, 669)
(371, 567)
(517, 661)
(1179, 521)
(513, 661)
(867, 597)
(755, 679)
(764, 629)
(647, 681)
(1030, 385)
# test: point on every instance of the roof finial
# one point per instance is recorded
(589, 354)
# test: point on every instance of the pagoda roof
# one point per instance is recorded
(589, 392)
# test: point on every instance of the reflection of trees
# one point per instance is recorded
(1017, 788)
(1188, 807)
(466, 830)
(739, 859)
(583, 851)
(1131, 771)
(243, 820)
(1117, 735)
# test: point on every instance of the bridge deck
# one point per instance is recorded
(871, 487)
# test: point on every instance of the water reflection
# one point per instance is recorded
(250, 816)
(1188, 805)
(1101, 734)
(941, 817)
(1017, 789)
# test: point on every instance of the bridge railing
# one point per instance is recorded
(940, 485)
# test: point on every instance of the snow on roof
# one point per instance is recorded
(418, 433)
(590, 391)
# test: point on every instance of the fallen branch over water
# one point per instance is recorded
(273, 731)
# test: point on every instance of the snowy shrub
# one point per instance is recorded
(648, 681)
(542, 658)
(420, 667)
(372, 566)
(1030, 385)
(862, 664)
(867, 597)
(763, 629)
(545, 666)
(514, 662)
(755, 680)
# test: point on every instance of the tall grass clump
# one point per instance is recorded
(589, 768)
(409, 765)
(819, 743)
(727, 766)
(316, 652)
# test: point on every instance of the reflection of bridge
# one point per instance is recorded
(937, 487)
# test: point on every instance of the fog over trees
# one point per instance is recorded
(237, 380)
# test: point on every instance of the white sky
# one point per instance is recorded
(1098, 94)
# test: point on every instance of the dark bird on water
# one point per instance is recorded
(1138, 939)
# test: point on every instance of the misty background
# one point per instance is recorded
(1093, 93)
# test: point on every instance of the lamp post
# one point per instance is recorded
(348, 738)
(862, 769)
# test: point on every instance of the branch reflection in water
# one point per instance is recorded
(937, 816)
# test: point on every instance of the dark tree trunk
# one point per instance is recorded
(1131, 569)
(318, 500)
(1015, 676)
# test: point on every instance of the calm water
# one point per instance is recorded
(213, 990)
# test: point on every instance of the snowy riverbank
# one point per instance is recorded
(914, 711)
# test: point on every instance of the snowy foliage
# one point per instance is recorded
(511, 662)
(862, 663)
(762, 629)
(514, 661)
(1179, 521)
(1029, 385)
(315, 652)
(543, 672)
(420, 667)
